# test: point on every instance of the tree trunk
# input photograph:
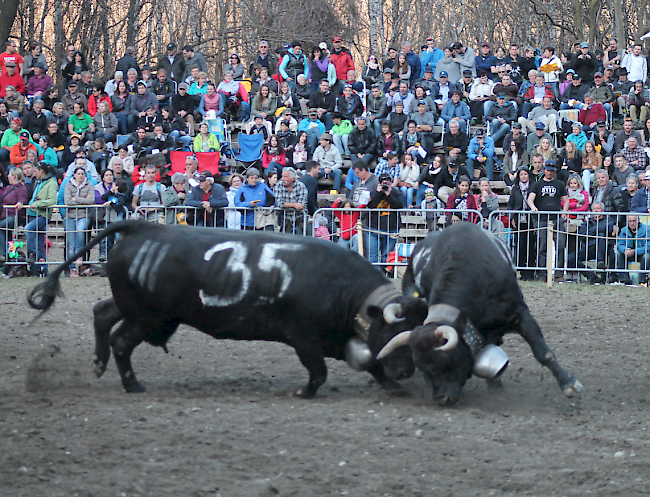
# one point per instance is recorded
(132, 24)
(8, 11)
(58, 39)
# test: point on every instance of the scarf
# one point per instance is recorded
(273, 151)
(373, 65)
(576, 195)
(523, 188)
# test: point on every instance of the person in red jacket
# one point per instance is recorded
(535, 94)
(97, 96)
(347, 222)
(11, 77)
(341, 59)
(591, 113)
(18, 152)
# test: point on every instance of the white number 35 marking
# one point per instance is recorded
(236, 263)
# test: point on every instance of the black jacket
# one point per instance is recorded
(127, 62)
(183, 102)
(318, 99)
(444, 178)
(34, 123)
(175, 69)
(356, 110)
(362, 142)
(381, 144)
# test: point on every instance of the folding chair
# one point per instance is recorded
(177, 158)
(209, 161)
(219, 128)
(250, 149)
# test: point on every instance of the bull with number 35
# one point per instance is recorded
(322, 299)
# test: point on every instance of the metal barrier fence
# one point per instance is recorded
(248, 218)
(598, 246)
(386, 237)
(28, 237)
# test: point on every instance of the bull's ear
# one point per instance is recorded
(415, 309)
(375, 312)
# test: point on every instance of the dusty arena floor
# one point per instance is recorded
(218, 420)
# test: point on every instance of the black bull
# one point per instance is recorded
(323, 300)
(465, 278)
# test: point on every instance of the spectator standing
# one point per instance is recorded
(193, 58)
(210, 199)
(636, 64)
(291, 196)
(549, 194)
(173, 63)
(383, 225)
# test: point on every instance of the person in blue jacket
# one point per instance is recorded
(632, 246)
(457, 110)
(480, 152)
(253, 193)
(431, 56)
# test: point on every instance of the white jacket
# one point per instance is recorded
(479, 89)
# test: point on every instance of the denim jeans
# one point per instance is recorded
(341, 142)
(186, 140)
(337, 174)
(35, 234)
(75, 235)
(407, 195)
(498, 130)
(274, 166)
(379, 245)
(352, 243)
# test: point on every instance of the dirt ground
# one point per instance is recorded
(218, 418)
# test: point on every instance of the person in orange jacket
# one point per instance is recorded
(18, 152)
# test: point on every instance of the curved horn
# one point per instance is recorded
(448, 333)
(404, 338)
(391, 312)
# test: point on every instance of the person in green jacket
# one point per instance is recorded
(38, 214)
(206, 141)
(341, 133)
(81, 123)
(10, 137)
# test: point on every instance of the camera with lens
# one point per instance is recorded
(385, 188)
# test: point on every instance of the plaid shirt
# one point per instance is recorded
(382, 167)
(635, 154)
(298, 194)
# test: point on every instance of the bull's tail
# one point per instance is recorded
(43, 295)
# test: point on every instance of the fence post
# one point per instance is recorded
(358, 227)
(549, 259)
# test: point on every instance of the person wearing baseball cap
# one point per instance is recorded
(11, 76)
(549, 194)
(18, 152)
(172, 62)
(585, 63)
(294, 63)
(210, 199)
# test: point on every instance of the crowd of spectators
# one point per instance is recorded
(551, 113)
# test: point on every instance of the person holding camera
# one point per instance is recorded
(383, 224)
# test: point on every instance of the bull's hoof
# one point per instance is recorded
(304, 393)
(446, 400)
(99, 368)
(134, 387)
(572, 387)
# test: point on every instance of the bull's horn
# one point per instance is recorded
(448, 333)
(391, 313)
(397, 341)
